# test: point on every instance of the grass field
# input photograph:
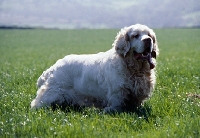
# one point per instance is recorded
(173, 110)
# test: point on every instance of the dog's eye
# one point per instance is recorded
(149, 35)
(135, 36)
(152, 37)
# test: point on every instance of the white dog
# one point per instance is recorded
(119, 79)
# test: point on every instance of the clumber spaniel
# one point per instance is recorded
(117, 80)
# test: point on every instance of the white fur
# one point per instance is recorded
(112, 80)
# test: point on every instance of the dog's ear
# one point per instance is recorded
(153, 54)
(155, 51)
(122, 42)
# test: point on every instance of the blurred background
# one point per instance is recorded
(75, 14)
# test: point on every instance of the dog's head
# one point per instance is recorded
(140, 41)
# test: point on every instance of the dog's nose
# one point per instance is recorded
(147, 43)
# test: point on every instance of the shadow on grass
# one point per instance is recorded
(142, 111)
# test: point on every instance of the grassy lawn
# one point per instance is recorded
(173, 110)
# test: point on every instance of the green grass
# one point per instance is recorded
(25, 54)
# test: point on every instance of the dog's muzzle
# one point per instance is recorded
(146, 55)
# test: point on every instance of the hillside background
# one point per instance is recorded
(69, 14)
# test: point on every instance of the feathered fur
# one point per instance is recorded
(113, 80)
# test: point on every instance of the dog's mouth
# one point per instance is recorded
(146, 55)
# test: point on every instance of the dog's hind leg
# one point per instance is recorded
(47, 97)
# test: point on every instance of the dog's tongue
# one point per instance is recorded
(142, 57)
